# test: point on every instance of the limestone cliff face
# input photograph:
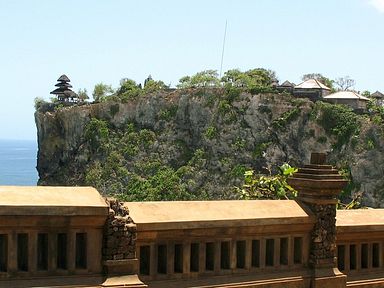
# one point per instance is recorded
(206, 137)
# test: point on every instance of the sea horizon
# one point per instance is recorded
(18, 160)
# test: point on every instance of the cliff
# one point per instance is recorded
(197, 143)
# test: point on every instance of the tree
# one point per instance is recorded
(260, 78)
(128, 89)
(82, 95)
(234, 77)
(153, 86)
(96, 132)
(206, 78)
(316, 76)
(344, 83)
(39, 102)
(254, 80)
(101, 91)
(366, 93)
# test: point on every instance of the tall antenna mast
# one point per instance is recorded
(222, 52)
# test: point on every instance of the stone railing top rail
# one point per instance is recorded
(210, 214)
(47, 200)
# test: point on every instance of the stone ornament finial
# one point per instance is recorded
(318, 185)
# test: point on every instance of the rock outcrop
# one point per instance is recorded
(203, 140)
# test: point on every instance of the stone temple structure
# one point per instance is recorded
(73, 237)
(63, 90)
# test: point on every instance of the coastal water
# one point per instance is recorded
(18, 162)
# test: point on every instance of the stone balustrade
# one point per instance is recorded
(72, 237)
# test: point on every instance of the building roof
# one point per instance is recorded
(63, 84)
(312, 84)
(48, 200)
(346, 95)
(64, 78)
(287, 84)
(377, 95)
(225, 213)
(63, 91)
(360, 220)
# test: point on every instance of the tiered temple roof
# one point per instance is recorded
(63, 92)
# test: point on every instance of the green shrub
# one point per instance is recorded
(168, 113)
(210, 99)
(39, 102)
(130, 127)
(210, 132)
(197, 158)
(128, 90)
(268, 187)
(230, 117)
(370, 144)
(58, 107)
(93, 175)
(96, 132)
(163, 185)
(232, 93)
(260, 148)
(146, 137)
(147, 166)
(238, 171)
(286, 118)
(338, 120)
(224, 107)
(239, 144)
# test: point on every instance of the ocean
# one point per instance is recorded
(18, 159)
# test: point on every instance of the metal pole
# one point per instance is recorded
(222, 53)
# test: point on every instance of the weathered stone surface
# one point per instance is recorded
(245, 137)
(119, 233)
(323, 236)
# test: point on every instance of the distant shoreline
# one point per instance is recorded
(11, 139)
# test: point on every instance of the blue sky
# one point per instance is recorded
(104, 41)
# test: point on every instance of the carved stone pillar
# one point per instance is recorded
(318, 185)
(119, 248)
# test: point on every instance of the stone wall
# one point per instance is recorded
(323, 236)
(119, 241)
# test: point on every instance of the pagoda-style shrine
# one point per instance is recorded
(63, 92)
